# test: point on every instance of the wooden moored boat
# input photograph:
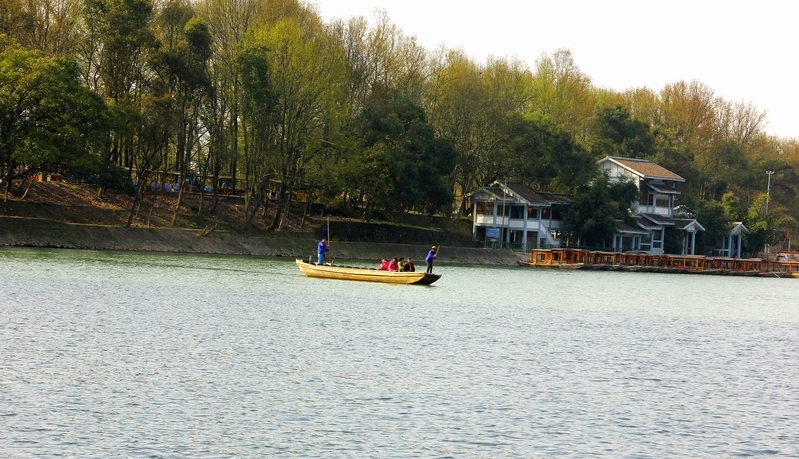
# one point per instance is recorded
(365, 274)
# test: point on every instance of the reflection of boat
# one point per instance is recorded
(365, 274)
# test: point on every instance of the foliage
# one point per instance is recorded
(402, 165)
(713, 216)
(617, 133)
(167, 91)
(672, 240)
(545, 156)
(48, 120)
(596, 207)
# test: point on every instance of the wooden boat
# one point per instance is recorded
(365, 274)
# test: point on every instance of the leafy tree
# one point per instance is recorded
(732, 206)
(402, 164)
(48, 120)
(257, 106)
(715, 219)
(767, 225)
(617, 133)
(595, 209)
(672, 240)
(472, 105)
(307, 80)
(562, 93)
(544, 156)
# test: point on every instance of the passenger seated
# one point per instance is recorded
(383, 265)
(408, 266)
(392, 265)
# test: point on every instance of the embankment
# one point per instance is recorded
(26, 232)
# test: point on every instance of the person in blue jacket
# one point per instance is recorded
(321, 251)
(431, 255)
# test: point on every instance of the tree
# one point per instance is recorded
(715, 219)
(767, 225)
(475, 106)
(615, 132)
(544, 156)
(563, 93)
(48, 120)
(402, 165)
(257, 104)
(305, 73)
(595, 208)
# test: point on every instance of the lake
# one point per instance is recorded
(106, 355)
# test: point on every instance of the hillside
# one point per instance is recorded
(64, 215)
(74, 203)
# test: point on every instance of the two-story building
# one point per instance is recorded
(508, 214)
(654, 210)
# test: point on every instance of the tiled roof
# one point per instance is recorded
(666, 188)
(738, 227)
(683, 223)
(646, 168)
(532, 197)
(680, 223)
(556, 198)
(645, 223)
(624, 228)
(659, 219)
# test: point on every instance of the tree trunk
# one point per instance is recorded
(177, 205)
(253, 211)
(134, 209)
(30, 182)
(307, 209)
(150, 214)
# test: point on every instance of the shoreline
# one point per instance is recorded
(27, 232)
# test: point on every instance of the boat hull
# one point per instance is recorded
(365, 274)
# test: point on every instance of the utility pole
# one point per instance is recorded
(768, 190)
(504, 195)
(768, 195)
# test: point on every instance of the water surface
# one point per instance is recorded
(169, 356)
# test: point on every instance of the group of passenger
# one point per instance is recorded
(403, 265)
(392, 265)
(397, 265)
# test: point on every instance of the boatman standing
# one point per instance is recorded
(431, 255)
(321, 250)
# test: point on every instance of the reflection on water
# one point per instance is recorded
(145, 355)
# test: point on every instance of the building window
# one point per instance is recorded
(545, 213)
(485, 208)
(555, 234)
(662, 201)
(532, 213)
(557, 213)
(517, 212)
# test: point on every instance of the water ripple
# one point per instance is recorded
(162, 356)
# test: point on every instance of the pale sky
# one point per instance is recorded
(744, 51)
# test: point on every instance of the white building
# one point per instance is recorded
(654, 210)
(507, 214)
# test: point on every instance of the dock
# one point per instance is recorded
(645, 262)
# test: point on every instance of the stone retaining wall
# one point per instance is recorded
(45, 233)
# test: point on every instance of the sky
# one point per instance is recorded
(744, 52)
